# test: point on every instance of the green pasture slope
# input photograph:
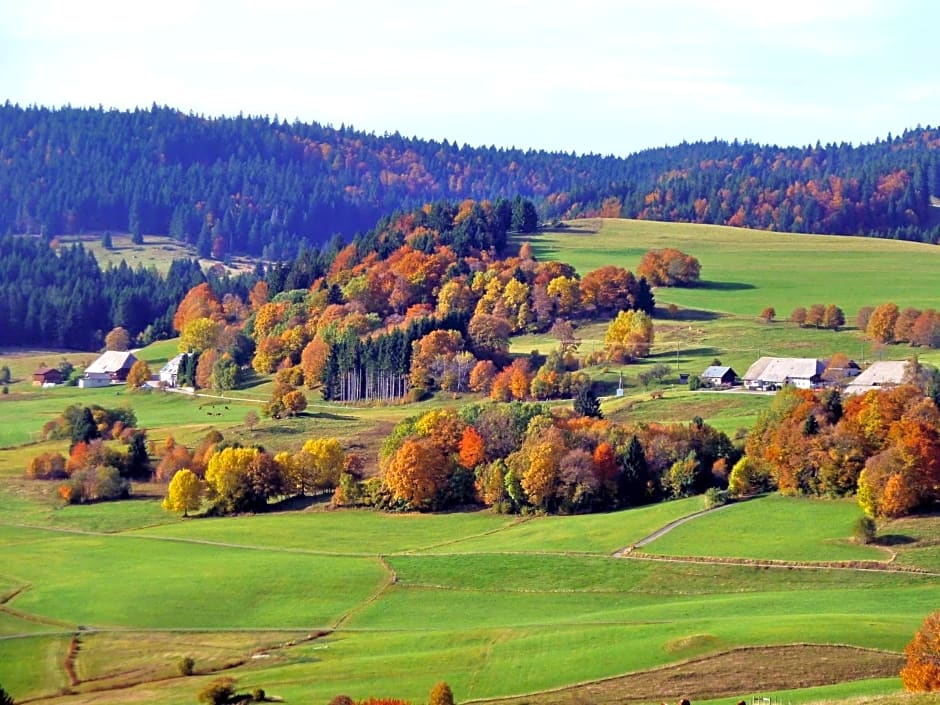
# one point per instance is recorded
(494, 605)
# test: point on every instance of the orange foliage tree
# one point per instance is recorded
(921, 672)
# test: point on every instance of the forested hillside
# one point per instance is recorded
(262, 186)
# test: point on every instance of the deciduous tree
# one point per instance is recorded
(117, 339)
(139, 374)
(921, 671)
(184, 493)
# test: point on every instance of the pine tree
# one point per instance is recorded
(586, 402)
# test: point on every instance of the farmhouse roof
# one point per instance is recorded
(172, 365)
(112, 361)
(716, 371)
(44, 370)
(778, 370)
(884, 373)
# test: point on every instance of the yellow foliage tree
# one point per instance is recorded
(184, 493)
(199, 334)
(629, 336)
(318, 465)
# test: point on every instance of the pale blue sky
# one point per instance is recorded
(588, 76)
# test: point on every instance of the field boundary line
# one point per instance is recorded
(868, 566)
(678, 664)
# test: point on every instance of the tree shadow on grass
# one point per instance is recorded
(299, 504)
(723, 286)
(686, 314)
(894, 540)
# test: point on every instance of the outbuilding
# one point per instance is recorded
(718, 376)
(47, 377)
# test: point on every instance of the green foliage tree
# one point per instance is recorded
(586, 403)
(5, 697)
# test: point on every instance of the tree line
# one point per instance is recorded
(266, 187)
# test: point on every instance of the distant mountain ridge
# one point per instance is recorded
(266, 187)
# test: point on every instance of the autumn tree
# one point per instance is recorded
(199, 334)
(117, 339)
(139, 374)
(669, 267)
(833, 317)
(815, 314)
(417, 473)
(799, 316)
(880, 326)
(768, 314)
(904, 325)
(184, 493)
(863, 317)
(317, 466)
(629, 336)
(471, 448)
(921, 671)
(199, 302)
(441, 694)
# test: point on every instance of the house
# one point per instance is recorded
(718, 376)
(772, 373)
(169, 373)
(112, 367)
(47, 377)
(884, 373)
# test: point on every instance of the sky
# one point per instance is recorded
(592, 76)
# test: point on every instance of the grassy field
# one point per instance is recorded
(745, 270)
(309, 604)
(492, 605)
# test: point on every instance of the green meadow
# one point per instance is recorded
(311, 603)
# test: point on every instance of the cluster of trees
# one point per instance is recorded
(234, 479)
(106, 452)
(669, 267)
(212, 340)
(263, 186)
(887, 323)
(410, 308)
(59, 297)
(881, 189)
(883, 446)
(522, 456)
(827, 316)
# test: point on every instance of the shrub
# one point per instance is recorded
(441, 694)
(865, 530)
(715, 497)
(186, 666)
(695, 383)
(5, 697)
(258, 695)
(218, 692)
(342, 700)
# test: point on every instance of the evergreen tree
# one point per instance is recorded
(586, 402)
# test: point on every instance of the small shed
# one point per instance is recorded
(46, 376)
(718, 376)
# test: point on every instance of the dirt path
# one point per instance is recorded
(666, 529)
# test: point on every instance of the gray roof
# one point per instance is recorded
(883, 373)
(716, 371)
(172, 365)
(778, 370)
(112, 361)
